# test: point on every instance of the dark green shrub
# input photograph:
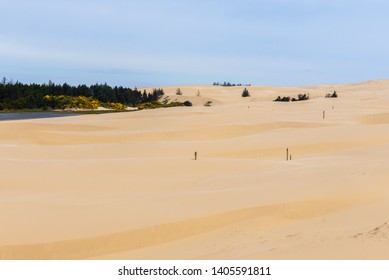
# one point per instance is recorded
(245, 93)
(334, 95)
(282, 99)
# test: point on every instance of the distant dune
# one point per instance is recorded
(126, 185)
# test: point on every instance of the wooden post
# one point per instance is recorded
(287, 154)
(195, 155)
(324, 115)
(290, 157)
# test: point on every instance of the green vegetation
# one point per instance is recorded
(115, 106)
(19, 96)
(282, 99)
(64, 102)
(157, 104)
(175, 104)
(334, 95)
(36, 97)
(245, 93)
(228, 84)
(150, 105)
(300, 97)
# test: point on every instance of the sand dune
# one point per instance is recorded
(162, 233)
(125, 185)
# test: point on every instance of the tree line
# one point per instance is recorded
(16, 95)
(228, 84)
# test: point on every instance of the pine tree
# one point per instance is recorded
(245, 93)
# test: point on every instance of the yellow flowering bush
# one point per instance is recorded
(116, 106)
(70, 102)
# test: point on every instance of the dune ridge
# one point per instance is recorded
(162, 233)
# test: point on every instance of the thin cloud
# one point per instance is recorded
(199, 39)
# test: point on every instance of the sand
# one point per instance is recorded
(126, 185)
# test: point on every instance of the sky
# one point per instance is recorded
(171, 42)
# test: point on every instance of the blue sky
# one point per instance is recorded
(169, 42)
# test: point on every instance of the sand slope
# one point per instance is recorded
(125, 185)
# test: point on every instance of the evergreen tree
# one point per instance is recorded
(31, 96)
(245, 93)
